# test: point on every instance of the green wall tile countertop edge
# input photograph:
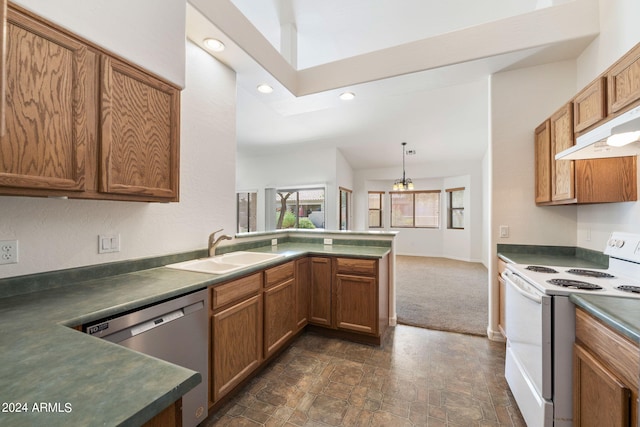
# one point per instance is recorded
(621, 314)
(565, 256)
(89, 381)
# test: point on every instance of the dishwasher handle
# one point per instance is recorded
(522, 287)
(155, 323)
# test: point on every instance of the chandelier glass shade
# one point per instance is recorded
(404, 183)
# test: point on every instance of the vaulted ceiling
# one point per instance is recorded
(419, 69)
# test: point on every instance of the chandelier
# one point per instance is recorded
(404, 183)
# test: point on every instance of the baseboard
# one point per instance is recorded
(495, 335)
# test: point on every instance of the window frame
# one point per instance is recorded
(413, 193)
(296, 191)
(451, 209)
(348, 194)
(251, 196)
(379, 209)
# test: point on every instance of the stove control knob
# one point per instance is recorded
(619, 243)
(611, 243)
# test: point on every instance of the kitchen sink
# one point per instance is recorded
(227, 263)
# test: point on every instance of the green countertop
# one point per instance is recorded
(84, 381)
(621, 314)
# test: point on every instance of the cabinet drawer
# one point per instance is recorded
(365, 267)
(236, 290)
(278, 274)
(620, 354)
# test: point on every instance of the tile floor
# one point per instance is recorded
(418, 377)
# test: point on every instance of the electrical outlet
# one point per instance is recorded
(8, 251)
(274, 242)
(328, 241)
(108, 243)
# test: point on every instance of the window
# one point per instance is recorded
(415, 209)
(455, 214)
(300, 208)
(345, 208)
(375, 209)
(246, 212)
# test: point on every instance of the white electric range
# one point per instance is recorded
(540, 326)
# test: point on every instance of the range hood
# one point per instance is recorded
(593, 144)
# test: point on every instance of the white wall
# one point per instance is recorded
(291, 168)
(55, 234)
(150, 33)
(521, 100)
(619, 33)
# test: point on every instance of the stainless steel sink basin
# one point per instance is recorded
(226, 263)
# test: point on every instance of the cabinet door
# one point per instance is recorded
(543, 163)
(140, 133)
(320, 301)
(562, 172)
(279, 319)
(236, 344)
(590, 105)
(599, 398)
(356, 303)
(49, 105)
(607, 180)
(303, 283)
(624, 81)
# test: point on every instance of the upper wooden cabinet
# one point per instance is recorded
(624, 81)
(49, 109)
(594, 180)
(590, 105)
(561, 136)
(560, 182)
(543, 163)
(140, 130)
(81, 123)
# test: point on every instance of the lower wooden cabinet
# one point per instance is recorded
(255, 316)
(605, 377)
(236, 345)
(171, 416)
(600, 399)
(320, 292)
(356, 308)
(303, 279)
(279, 299)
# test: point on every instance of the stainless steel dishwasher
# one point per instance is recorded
(175, 331)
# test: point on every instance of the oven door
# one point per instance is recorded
(528, 364)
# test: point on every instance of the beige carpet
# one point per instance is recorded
(442, 294)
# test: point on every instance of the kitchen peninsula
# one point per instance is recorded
(49, 361)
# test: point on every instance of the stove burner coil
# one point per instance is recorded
(574, 284)
(540, 269)
(590, 273)
(629, 288)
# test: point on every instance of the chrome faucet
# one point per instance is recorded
(213, 242)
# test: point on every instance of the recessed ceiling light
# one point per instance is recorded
(214, 45)
(264, 88)
(347, 96)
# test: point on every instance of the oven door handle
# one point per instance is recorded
(527, 293)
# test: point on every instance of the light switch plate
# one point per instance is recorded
(108, 243)
(504, 231)
(328, 241)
